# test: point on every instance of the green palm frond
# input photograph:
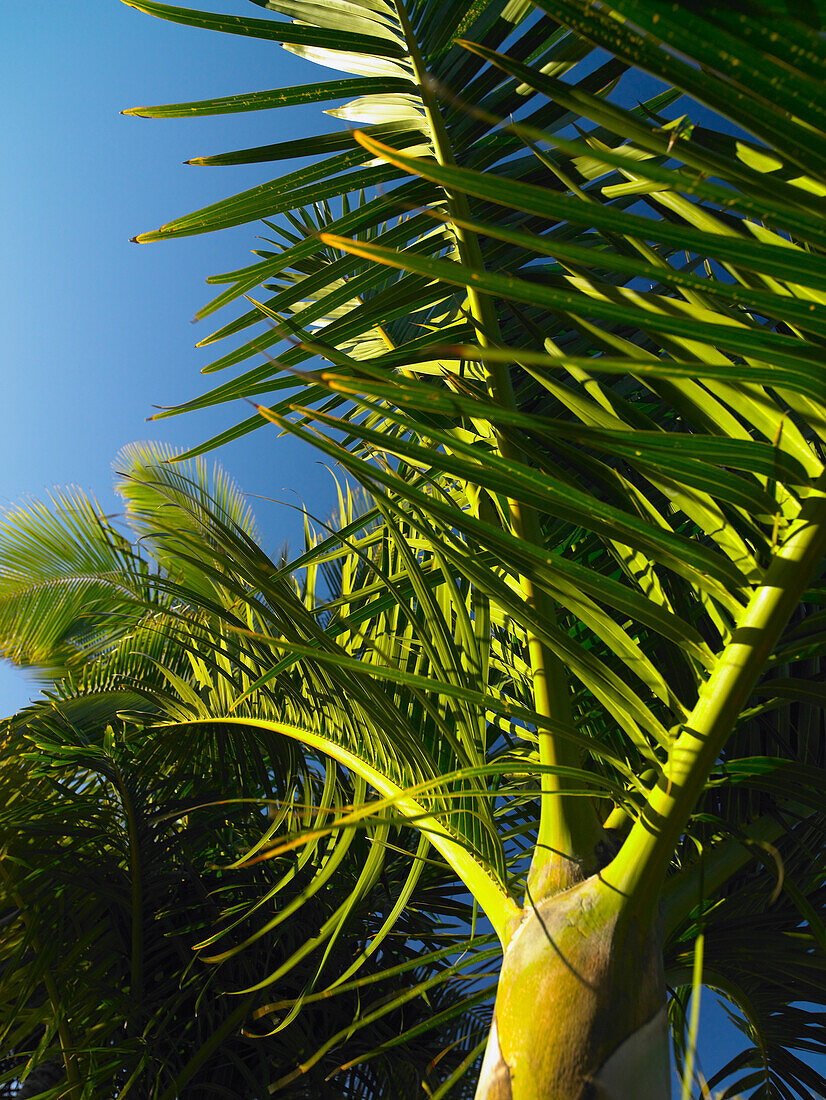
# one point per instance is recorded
(151, 838)
(71, 583)
(572, 354)
(362, 308)
(144, 888)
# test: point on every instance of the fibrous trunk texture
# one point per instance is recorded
(580, 1008)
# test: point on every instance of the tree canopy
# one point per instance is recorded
(570, 348)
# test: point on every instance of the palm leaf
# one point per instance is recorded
(575, 360)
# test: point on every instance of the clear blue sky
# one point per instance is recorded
(95, 329)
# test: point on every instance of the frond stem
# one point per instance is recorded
(499, 907)
(569, 830)
(638, 871)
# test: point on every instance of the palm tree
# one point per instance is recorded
(124, 847)
(573, 353)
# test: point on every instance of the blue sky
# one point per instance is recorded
(95, 329)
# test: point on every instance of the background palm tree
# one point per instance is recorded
(574, 355)
(125, 848)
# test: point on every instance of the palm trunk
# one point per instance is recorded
(580, 1009)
